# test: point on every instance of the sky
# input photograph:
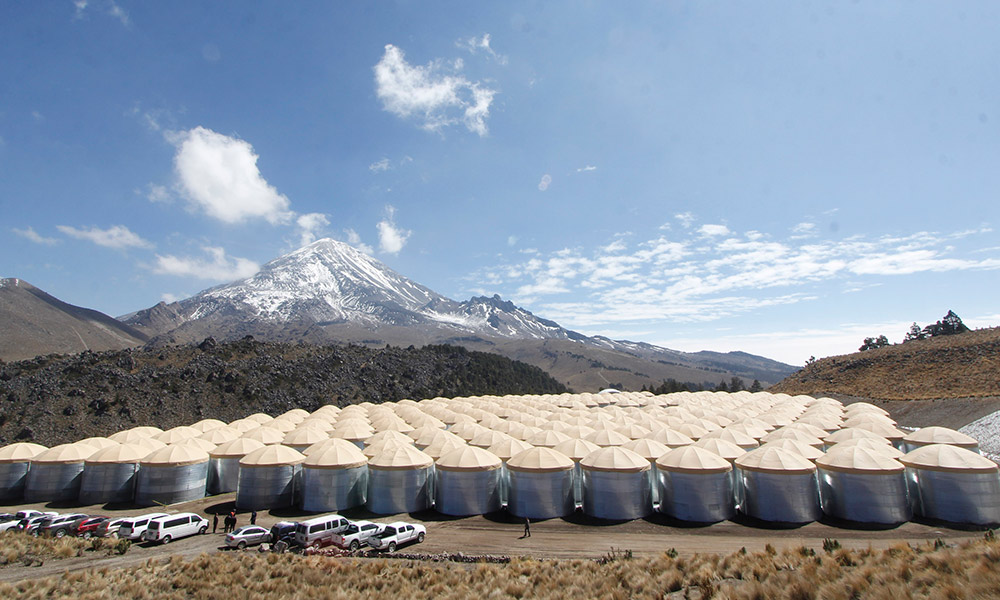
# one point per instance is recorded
(780, 178)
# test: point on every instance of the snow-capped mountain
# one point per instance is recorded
(329, 282)
(330, 292)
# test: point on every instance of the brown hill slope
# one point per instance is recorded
(953, 366)
(33, 322)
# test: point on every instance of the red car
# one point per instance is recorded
(88, 527)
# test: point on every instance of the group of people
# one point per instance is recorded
(229, 523)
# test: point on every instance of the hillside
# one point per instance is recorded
(952, 366)
(56, 399)
(32, 322)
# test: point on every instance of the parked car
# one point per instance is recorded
(87, 528)
(30, 524)
(30, 512)
(318, 531)
(397, 534)
(109, 527)
(9, 522)
(133, 528)
(248, 535)
(357, 534)
(59, 526)
(283, 531)
(173, 527)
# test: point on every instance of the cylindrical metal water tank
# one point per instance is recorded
(862, 485)
(109, 475)
(54, 475)
(269, 478)
(399, 481)
(616, 484)
(334, 477)
(224, 464)
(777, 485)
(172, 474)
(695, 485)
(540, 484)
(467, 482)
(15, 460)
(953, 484)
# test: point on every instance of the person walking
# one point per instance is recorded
(232, 517)
(215, 522)
(253, 517)
(527, 527)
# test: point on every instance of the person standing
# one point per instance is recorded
(215, 522)
(527, 527)
(253, 517)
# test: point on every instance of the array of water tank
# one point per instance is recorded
(697, 457)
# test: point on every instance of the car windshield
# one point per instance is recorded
(352, 528)
(387, 532)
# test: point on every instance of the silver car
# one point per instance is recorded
(248, 535)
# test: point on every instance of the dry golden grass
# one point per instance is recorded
(971, 570)
(951, 366)
(20, 548)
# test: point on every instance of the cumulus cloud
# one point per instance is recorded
(215, 267)
(713, 230)
(391, 238)
(685, 219)
(310, 226)
(157, 194)
(116, 236)
(355, 240)
(545, 182)
(218, 175)
(30, 234)
(435, 94)
(482, 44)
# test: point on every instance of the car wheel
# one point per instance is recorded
(355, 545)
(420, 537)
(241, 545)
(392, 546)
(166, 539)
(87, 535)
(60, 533)
(204, 528)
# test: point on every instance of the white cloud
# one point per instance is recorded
(475, 45)
(685, 219)
(80, 6)
(171, 298)
(431, 95)
(118, 12)
(713, 230)
(355, 240)
(116, 236)
(511, 240)
(218, 174)
(217, 267)
(545, 182)
(310, 226)
(804, 230)
(158, 193)
(391, 238)
(380, 165)
(586, 169)
(30, 234)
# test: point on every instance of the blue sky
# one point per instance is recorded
(783, 178)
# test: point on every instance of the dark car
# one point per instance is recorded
(59, 526)
(283, 531)
(87, 527)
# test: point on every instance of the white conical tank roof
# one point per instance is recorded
(274, 455)
(881, 445)
(852, 433)
(614, 458)
(265, 435)
(65, 453)
(941, 435)
(693, 459)
(119, 453)
(400, 458)
(206, 425)
(648, 449)
(540, 460)
(469, 458)
(334, 453)
(858, 459)
(175, 456)
(775, 460)
(576, 449)
(98, 442)
(304, 437)
(723, 448)
(944, 457)
(797, 446)
(20, 452)
(237, 448)
(220, 435)
(509, 447)
(198, 442)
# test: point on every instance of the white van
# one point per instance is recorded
(174, 527)
(134, 527)
(318, 531)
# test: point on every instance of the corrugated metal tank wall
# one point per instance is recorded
(778, 497)
(13, 477)
(462, 493)
(864, 498)
(159, 484)
(53, 482)
(393, 491)
(956, 497)
(540, 495)
(697, 497)
(267, 487)
(108, 482)
(325, 489)
(616, 495)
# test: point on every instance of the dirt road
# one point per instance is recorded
(574, 537)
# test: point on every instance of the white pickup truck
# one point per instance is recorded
(357, 534)
(397, 534)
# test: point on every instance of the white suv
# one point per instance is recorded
(173, 527)
(133, 528)
(397, 534)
